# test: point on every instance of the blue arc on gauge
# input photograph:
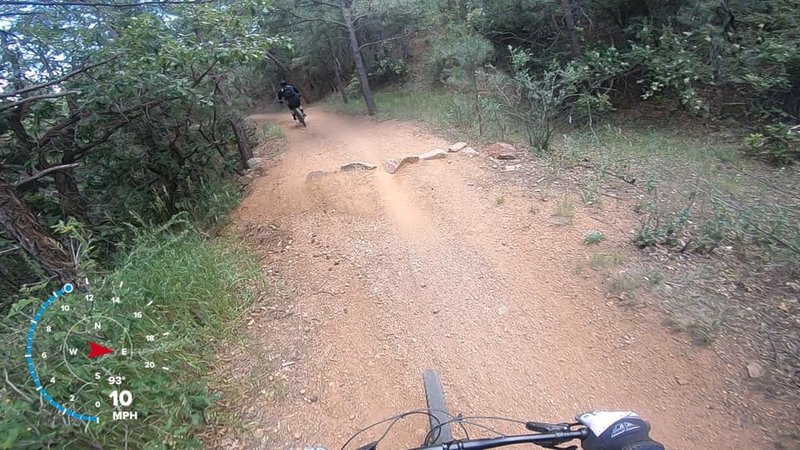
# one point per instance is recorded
(29, 356)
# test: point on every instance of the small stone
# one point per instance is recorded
(313, 398)
(457, 147)
(754, 370)
(352, 416)
(298, 436)
(337, 262)
(435, 311)
(433, 154)
(471, 152)
(681, 381)
(358, 165)
(512, 168)
(302, 391)
(392, 165)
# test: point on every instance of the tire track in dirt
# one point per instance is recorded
(390, 274)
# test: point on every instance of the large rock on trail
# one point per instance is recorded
(392, 165)
(457, 147)
(502, 150)
(358, 165)
(433, 154)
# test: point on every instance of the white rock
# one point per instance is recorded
(392, 165)
(754, 370)
(254, 163)
(457, 147)
(433, 154)
(358, 165)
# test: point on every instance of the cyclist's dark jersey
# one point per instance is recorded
(291, 94)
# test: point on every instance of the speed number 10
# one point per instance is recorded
(121, 398)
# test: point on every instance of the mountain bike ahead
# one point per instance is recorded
(599, 430)
(300, 115)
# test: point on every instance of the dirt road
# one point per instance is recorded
(441, 265)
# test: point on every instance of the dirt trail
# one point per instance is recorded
(440, 266)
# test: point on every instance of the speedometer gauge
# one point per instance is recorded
(83, 351)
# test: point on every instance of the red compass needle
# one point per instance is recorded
(97, 350)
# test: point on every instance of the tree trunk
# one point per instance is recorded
(337, 70)
(245, 151)
(20, 224)
(72, 202)
(566, 7)
(361, 71)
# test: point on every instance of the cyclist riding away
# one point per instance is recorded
(291, 95)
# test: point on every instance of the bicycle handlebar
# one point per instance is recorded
(555, 438)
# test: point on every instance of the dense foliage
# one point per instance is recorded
(713, 58)
(112, 114)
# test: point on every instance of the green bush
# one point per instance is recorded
(669, 65)
(593, 237)
(388, 70)
(778, 143)
(197, 288)
(534, 101)
(456, 54)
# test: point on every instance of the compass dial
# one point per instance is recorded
(93, 346)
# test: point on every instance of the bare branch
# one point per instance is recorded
(103, 4)
(44, 172)
(312, 19)
(36, 87)
(277, 61)
(323, 3)
(82, 149)
(11, 249)
(203, 75)
(362, 46)
(15, 14)
(36, 98)
(14, 388)
(55, 130)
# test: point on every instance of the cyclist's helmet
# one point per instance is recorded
(283, 83)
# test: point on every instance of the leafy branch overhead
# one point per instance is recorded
(153, 81)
